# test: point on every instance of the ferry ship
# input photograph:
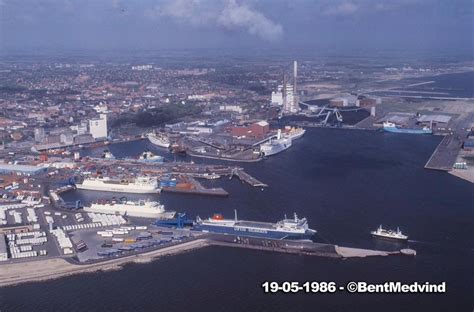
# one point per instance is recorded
(141, 185)
(389, 234)
(141, 208)
(391, 127)
(294, 228)
(159, 140)
(294, 133)
(148, 156)
(275, 145)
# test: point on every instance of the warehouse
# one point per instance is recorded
(21, 169)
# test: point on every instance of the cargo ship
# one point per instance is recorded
(158, 139)
(141, 209)
(294, 133)
(141, 185)
(391, 127)
(294, 228)
(389, 234)
(275, 145)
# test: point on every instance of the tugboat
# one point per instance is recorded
(389, 234)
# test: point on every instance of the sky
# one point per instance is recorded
(436, 26)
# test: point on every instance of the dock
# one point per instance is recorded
(247, 178)
(300, 247)
(445, 154)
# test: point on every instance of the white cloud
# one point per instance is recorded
(228, 14)
(241, 16)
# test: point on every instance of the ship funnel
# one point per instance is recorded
(279, 134)
(235, 214)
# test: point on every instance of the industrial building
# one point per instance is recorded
(286, 94)
(98, 127)
(21, 169)
(255, 130)
(434, 120)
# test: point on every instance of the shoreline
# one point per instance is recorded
(225, 158)
(35, 271)
(54, 268)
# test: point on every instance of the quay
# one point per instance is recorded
(12, 273)
(445, 154)
(299, 247)
(247, 178)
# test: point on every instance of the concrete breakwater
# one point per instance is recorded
(53, 268)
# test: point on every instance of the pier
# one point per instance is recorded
(12, 273)
(300, 247)
(247, 178)
(445, 154)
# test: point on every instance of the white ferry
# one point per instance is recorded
(158, 139)
(140, 185)
(389, 234)
(141, 208)
(294, 133)
(275, 145)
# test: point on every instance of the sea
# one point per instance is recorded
(346, 183)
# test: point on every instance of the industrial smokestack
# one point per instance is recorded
(284, 93)
(295, 92)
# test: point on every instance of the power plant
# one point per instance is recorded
(286, 95)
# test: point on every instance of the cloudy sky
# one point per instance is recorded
(342, 25)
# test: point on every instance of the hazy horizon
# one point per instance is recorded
(341, 26)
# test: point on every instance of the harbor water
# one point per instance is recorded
(347, 183)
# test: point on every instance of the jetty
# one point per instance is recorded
(445, 154)
(247, 178)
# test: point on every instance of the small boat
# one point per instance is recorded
(389, 234)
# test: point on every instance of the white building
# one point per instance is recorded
(289, 105)
(277, 96)
(231, 108)
(98, 127)
(101, 108)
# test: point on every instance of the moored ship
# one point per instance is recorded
(141, 208)
(389, 234)
(148, 156)
(276, 145)
(391, 127)
(141, 185)
(293, 228)
(158, 139)
(294, 133)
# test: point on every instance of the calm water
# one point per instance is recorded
(346, 183)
